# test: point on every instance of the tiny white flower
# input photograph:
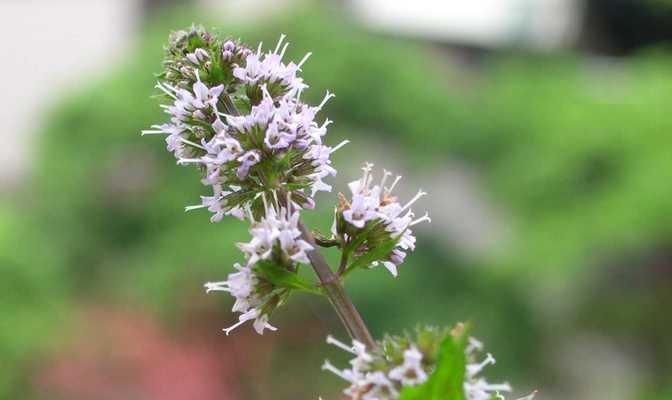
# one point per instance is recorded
(410, 373)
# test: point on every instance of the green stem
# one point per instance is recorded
(334, 290)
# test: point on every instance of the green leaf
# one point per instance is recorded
(379, 252)
(446, 383)
(282, 278)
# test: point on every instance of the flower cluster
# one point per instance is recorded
(237, 114)
(400, 362)
(276, 245)
(477, 388)
(368, 381)
(375, 219)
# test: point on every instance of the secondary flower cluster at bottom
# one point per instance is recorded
(276, 248)
(404, 362)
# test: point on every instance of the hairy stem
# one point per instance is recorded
(334, 290)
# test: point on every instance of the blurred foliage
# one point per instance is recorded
(578, 152)
(33, 296)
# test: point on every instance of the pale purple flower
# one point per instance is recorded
(477, 388)
(198, 56)
(260, 321)
(247, 160)
(375, 204)
(294, 247)
(241, 285)
(362, 209)
(269, 68)
(205, 96)
(410, 373)
(217, 205)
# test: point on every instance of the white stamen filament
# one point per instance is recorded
(327, 366)
(189, 142)
(217, 286)
(304, 59)
(196, 207)
(386, 174)
(414, 199)
(232, 327)
(422, 219)
(338, 146)
(328, 96)
(333, 341)
(183, 161)
(284, 48)
(153, 132)
(277, 47)
(165, 90)
(391, 188)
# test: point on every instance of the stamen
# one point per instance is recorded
(263, 199)
(422, 219)
(474, 344)
(265, 91)
(365, 178)
(396, 180)
(386, 174)
(414, 199)
(327, 366)
(289, 202)
(217, 286)
(326, 98)
(284, 48)
(530, 396)
(234, 326)
(165, 90)
(259, 49)
(153, 132)
(333, 341)
(189, 142)
(504, 387)
(183, 161)
(304, 59)
(476, 368)
(196, 207)
(338, 146)
(169, 86)
(248, 210)
(277, 47)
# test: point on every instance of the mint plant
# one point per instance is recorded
(237, 115)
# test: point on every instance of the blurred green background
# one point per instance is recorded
(548, 174)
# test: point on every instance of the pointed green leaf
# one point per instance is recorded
(377, 253)
(283, 278)
(446, 383)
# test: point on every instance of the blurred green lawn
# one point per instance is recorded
(576, 150)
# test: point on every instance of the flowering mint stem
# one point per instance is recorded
(331, 283)
(334, 290)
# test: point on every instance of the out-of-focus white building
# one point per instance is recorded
(539, 24)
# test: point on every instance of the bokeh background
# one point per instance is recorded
(541, 129)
